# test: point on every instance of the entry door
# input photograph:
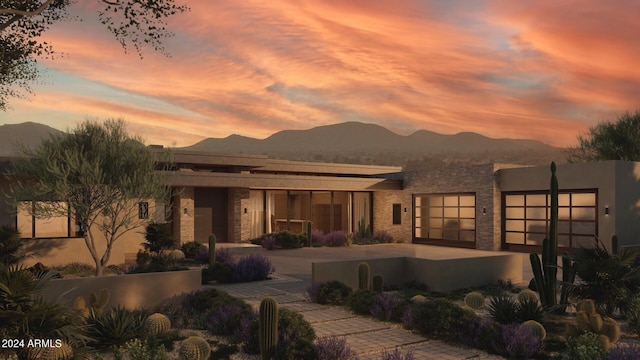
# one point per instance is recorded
(211, 214)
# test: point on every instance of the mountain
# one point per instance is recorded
(355, 142)
(29, 133)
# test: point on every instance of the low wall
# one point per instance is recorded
(132, 290)
(440, 275)
(62, 251)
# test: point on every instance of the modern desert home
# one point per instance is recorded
(488, 207)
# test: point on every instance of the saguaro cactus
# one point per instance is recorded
(363, 276)
(268, 328)
(378, 283)
(212, 249)
(309, 237)
(545, 274)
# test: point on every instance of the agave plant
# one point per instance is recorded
(610, 280)
(116, 327)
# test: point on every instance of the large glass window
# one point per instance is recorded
(256, 213)
(526, 218)
(445, 219)
(30, 226)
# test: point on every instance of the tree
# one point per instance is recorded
(610, 141)
(97, 174)
(22, 23)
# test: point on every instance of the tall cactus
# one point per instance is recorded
(268, 328)
(309, 237)
(545, 274)
(212, 249)
(363, 276)
(378, 283)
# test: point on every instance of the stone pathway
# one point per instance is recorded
(366, 336)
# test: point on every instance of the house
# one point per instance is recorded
(495, 207)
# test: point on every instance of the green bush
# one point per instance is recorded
(333, 293)
(190, 249)
(205, 300)
(158, 237)
(10, 245)
(218, 271)
(361, 300)
(584, 347)
(288, 240)
(295, 334)
(441, 318)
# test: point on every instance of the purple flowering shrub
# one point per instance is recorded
(385, 306)
(334, 239)
(333, 348)
(481, 333)
(247, 332)
(224, 319)
(269, 242)
(518, 342)
(224, 256)
(317, 236)
(382, 237)
(311, 293)
(397, 355)
(625, 350)
(252, 268)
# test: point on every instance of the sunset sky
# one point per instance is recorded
(545, 70)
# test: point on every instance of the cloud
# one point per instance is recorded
(520, 69)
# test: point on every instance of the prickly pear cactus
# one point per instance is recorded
(99, 301)
(194, 348)
(157, 324)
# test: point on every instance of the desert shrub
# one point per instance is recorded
(10, 245)
(333, 293)
(584, 347)
(247, 333)
(518, 342)
(439, 317)
(361, 300)
(191, 249)
(220, 272)
(202, 255)
(481, 333)
(625, 351)
(252, 268)
(387, 306)
(333, 348)
(158, 237)
(311, 292)
(205, 300)
(147, 349)
(268, 242)
(224, 319)
(397, 355)
(334, 239)
(503, 309)
(180, 315)
(115, 327)
(383, 237)
(288, 240)
(610, 280)
(295, 336)
(316, 237)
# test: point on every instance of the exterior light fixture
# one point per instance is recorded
(606, 210)
(245, 210)
(484, 210)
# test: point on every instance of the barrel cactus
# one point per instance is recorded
(474, 300)
(527, 294)
(194, 348)
(176, 255)
(157, 324)
(537, 328)
(63, 352)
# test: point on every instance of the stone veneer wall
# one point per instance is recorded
(478, 179)
(383, 214)
(238, 222)
(184, 223)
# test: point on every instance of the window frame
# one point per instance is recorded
(428, 239)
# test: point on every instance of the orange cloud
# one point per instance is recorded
(501, 68)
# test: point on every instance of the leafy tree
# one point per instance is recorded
(610, 141)
(98, 174)
(22, 23)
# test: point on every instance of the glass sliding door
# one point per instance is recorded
(256, 210)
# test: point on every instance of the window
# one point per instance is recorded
(30, 226)
(143, 210)
(397, 214)
(526, 218)
(447, 219)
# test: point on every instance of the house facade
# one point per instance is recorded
(487, 207)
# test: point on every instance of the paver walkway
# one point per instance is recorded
(366, 336)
